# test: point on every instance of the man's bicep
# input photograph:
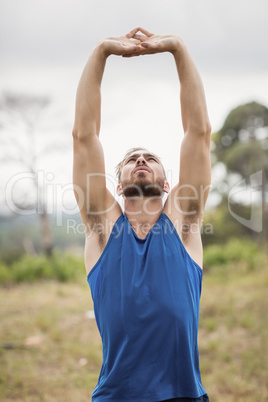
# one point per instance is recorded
(89, 176)
(195, 172)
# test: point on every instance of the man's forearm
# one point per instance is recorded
(88, 97)
(192, 96)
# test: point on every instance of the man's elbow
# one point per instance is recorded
(201, 131)
(84, 135)
(206, 129)
(75, 133)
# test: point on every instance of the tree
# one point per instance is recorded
(20, 121)
(242, 145)
(240, 126)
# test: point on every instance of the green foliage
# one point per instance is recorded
(5, 275)
(224, 225)
(9, 255)
(239, 145)
(247, 117)
(236, 252)
(243, 148)
(246, 158)
(29, 268)
(17, 230)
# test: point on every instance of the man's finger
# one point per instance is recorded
(145, 32)
(141, 52)
(140, 37)
(149, 45)
(132, 33)
(129, 55)
(131, 50)
(132, 43)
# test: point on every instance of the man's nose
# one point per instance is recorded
(141, 161)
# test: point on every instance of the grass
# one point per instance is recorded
(233, 335)
(50, 350)
(55, 350)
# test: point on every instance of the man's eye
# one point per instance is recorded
(152, 159)
(131, 159)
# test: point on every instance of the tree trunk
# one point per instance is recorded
(264, 213)
(46, 234)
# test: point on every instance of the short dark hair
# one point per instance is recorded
(119, 166)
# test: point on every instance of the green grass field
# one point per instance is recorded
(50, 350)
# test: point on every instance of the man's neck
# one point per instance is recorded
(142, 213)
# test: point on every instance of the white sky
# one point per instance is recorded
(44, 47)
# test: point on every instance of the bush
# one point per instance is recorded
(236, 251)
(4, 273)
(31, 268)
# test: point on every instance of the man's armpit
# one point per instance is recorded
(191, 225)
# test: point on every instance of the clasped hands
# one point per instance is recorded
(134, 44)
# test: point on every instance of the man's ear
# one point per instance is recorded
(166, 187)
(119, 189)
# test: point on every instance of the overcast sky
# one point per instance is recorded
(44, 47)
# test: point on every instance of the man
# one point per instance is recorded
(144, 265)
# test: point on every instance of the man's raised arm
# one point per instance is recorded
(188, 198)
(193, 103)
(88, 165)
(89, 170)
(195, 171)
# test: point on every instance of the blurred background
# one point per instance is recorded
(49, 345)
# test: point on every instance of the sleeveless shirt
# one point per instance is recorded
(146, 295)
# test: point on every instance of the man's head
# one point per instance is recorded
(141, 173)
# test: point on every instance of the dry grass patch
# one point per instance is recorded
(233, 336)
(55, 352)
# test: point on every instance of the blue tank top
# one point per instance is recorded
(146, 295)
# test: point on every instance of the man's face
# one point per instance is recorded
(142, 174)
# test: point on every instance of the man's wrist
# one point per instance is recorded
(177, 47)
(102, 49)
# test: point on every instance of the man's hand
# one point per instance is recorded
(122, 45)
(134, 44)
(151, 43)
